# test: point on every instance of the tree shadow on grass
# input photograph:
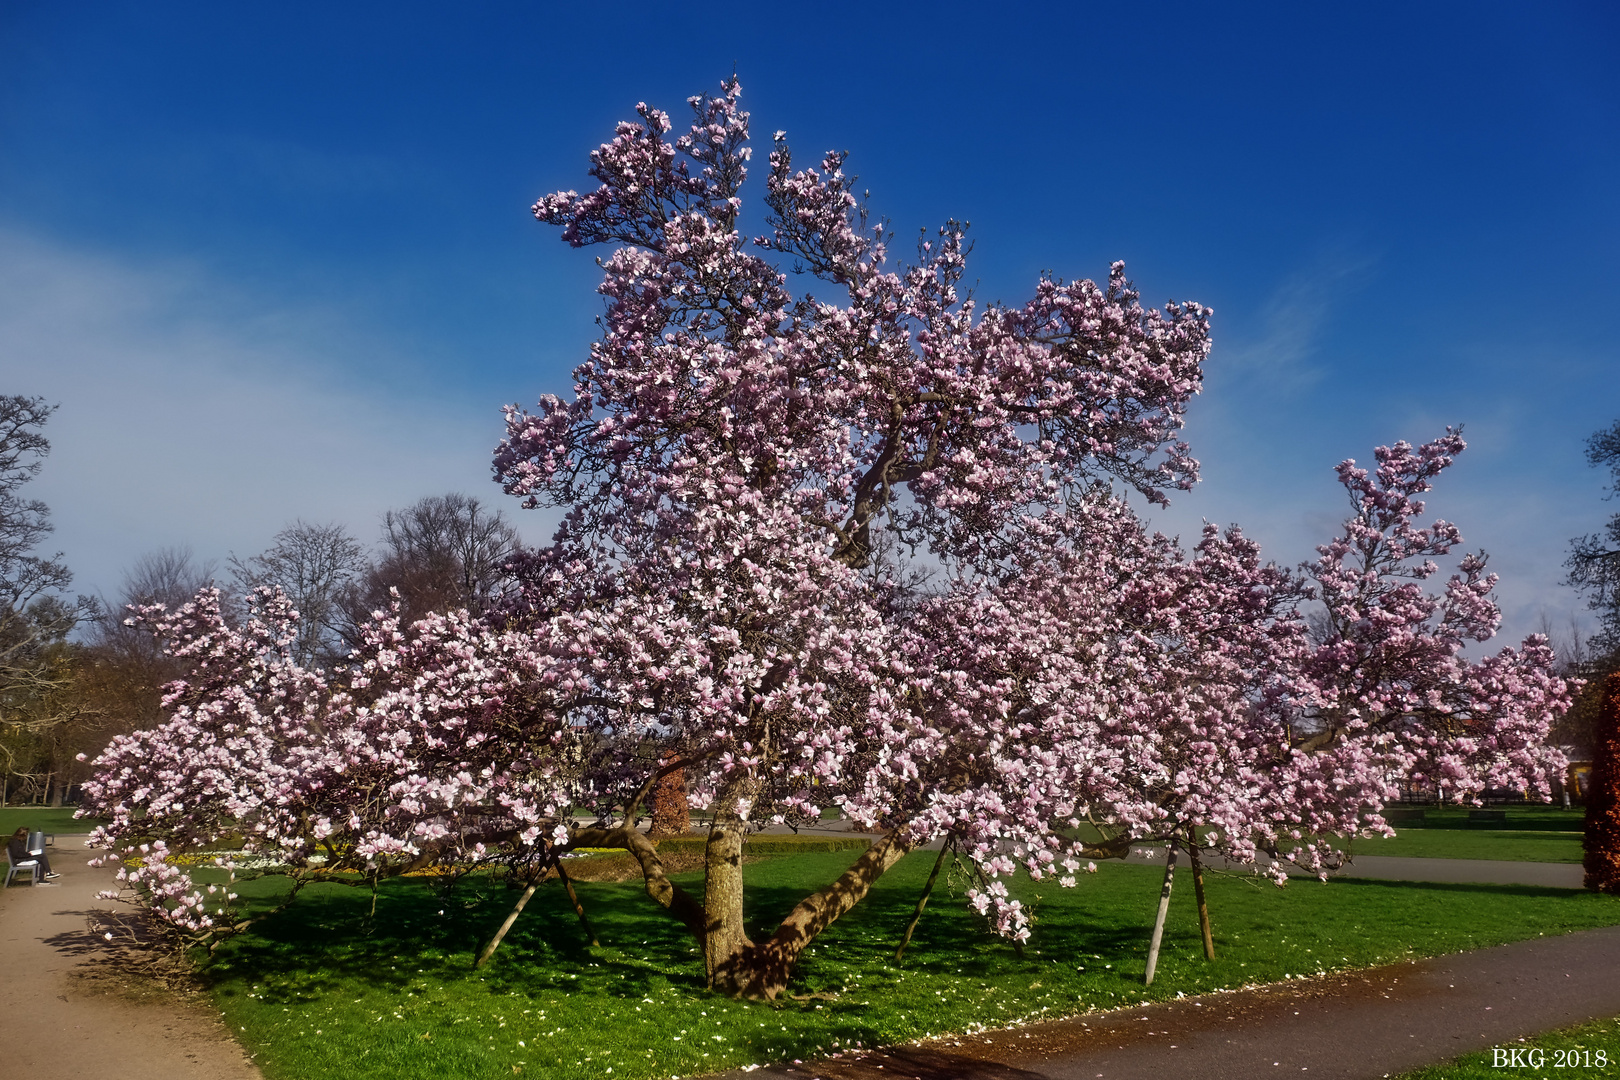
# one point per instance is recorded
(420, 932)
(419, 947)
(1461, 888)
(424, 932)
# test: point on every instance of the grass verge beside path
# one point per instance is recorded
(51, 819)
(323, 988)
(1529, 834)
(1528, 816)
(1588, 1050)
(1499, 844)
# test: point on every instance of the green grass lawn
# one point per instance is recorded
(1531, 816)
(323, 989)
(1588, 1050)
(1526, 817)
(57, 819)
(1502, 844)
(1530, 834)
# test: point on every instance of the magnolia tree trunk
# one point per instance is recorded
(734, 964)
(762, 970)
(671, 813)
(725, 938)
(1603, 797)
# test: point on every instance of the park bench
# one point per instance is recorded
(1487, 819)
(30, 865)
(1405, 815)
(37, 842)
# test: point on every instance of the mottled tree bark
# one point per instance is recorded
(664, 893)
(762, 971)
(725, 937)
(1603, 798)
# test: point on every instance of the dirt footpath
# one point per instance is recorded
(1364, 1024)
(68, 1011)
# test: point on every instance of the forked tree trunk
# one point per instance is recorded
(762, 970)
(735, 965)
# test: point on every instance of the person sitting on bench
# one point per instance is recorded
(17, 846)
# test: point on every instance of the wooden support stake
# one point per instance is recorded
(1164, 909)
(517, 909)
(1203, 906)
(579, 909)
(922, 901)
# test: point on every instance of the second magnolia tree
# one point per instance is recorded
(866, 551)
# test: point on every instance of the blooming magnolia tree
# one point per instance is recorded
(422, 750)
(722, 601)
(1270, 740)
(1387, 690)
(730, 455)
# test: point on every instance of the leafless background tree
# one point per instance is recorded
(61, 697)
(122, 667)
(1594, 559)
(315, 565)
(36, 677)
(442, 553)
(1593, 566)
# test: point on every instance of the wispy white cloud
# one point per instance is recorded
(194, 413)
(1289, 403)
(1290, 326)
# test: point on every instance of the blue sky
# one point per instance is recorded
(278, 262)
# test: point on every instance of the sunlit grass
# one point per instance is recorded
(325, 989)
(1500, 844)
(51, 819)
(1587, 1050)
(1529, 834)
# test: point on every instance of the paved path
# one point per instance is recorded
(1358, 1025)
(69, 1014)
